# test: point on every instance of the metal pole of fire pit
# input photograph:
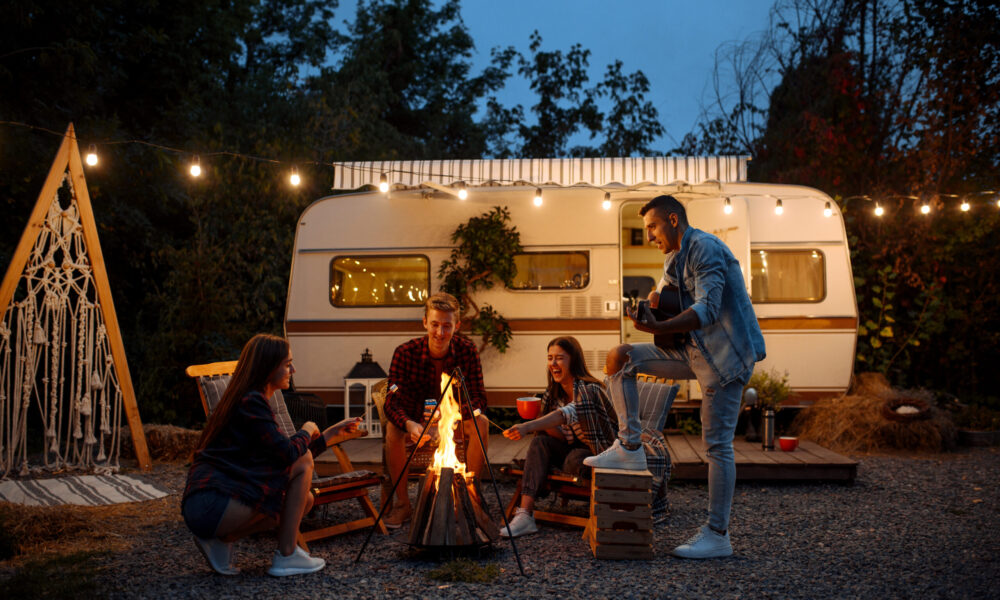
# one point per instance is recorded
(402, 474)
(468, 401)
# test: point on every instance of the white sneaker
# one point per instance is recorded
(296, 563)
(705, 544)
(618, 457)
(522, 524)
(218, 554)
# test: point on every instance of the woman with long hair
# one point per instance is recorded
(578, 421)
(246, 476)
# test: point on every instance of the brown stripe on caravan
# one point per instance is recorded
(372, 326)
(770, 323)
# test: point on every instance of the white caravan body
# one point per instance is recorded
(796, 265)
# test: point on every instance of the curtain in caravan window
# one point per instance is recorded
(787, 275)
(552, 270)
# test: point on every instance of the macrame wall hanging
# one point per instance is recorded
(64, 379)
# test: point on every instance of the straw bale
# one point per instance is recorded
(166, 442)
(855, 423)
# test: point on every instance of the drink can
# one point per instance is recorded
(429, 405)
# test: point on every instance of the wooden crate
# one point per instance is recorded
(621, 516)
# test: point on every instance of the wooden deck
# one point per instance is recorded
(809, 461)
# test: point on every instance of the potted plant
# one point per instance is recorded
(766, 390)
(978, 426)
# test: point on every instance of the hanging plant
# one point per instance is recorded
(483, 255)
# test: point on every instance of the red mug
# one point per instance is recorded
(788, 443)
(529, 407)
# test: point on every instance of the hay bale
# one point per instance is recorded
(857, 422)
(165, 442)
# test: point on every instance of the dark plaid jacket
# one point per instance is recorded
(249, 459)
(412, 370)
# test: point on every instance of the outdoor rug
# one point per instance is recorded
(85, 490)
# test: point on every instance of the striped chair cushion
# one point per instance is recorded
(655, 400)
(214, 386)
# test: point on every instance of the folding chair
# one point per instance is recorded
(212, 380)
(655, 399)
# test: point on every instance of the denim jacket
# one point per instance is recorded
(711, 284)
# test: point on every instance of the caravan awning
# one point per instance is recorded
(543, 171)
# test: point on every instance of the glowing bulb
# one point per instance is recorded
(294, 178)
(538, 196)
(925, 208)
(196, 167)
(383, 183)
(607, 201)
(827, 211)
(965, 206)
(92, 155)
(778, 208)
(728, 207)
(462, 192)
(879, 211)
(998, 202)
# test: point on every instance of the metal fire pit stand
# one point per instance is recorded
(456, 374)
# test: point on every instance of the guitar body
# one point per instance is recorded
(669, 307)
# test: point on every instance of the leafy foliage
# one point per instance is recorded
(483, 255)
(772, 388)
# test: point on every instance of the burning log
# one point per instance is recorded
(449, 512)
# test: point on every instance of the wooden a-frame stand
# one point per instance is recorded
(68, 157)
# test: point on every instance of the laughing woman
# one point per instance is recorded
(578, 421)
(247, 476)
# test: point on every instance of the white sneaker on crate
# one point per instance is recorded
(522, 524)
(218, 554)
(618, 457)
(296, 563)
(705, 544)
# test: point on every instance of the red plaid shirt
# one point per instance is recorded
(412, 370)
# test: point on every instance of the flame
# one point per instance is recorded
(450, 417)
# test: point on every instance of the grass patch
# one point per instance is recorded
(22, 527)
(64, 576)
(463, 569)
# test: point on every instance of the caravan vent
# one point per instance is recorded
(579, 306)
(595, 361)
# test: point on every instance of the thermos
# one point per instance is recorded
(767, 429)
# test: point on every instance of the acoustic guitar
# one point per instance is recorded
(668, 307)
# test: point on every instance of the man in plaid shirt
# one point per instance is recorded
(416, 370)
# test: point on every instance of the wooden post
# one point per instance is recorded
(68, 157)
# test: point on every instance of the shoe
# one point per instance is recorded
(522, 524)
(218, 554)
(618, 457)
(397, 516)
(296, 563)
(705, 544)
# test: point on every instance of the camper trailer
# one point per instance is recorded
(364, 262)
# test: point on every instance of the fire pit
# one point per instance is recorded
(449, 511)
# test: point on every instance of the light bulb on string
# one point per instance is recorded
(828, 210)
(879, 211)
(925, 208)
(538, 196)
(606, 204)
(965, 206)
(92, 155)
(195, 169)
(727, 207)
(294, 178)
(383, 183)
(463, 193)
(778, 208)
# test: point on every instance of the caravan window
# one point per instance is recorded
(787, 275)
(552, 270)
(379, 280)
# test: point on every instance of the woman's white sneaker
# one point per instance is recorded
(705, 544)
(522, 524)
(296, 563)
(619, 457)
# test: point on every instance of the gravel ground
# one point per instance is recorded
(910, 527)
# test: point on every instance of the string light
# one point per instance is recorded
(965, 205)
(383, 183)
(925, 208)
(778, 208)
(463, 193)
(92, 155)
(879, 211)
(538, 196)
(828, 211)
(606, 205)
(294, 178)
(728, 207)
(196, 166)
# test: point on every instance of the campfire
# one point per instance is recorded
(449, 510)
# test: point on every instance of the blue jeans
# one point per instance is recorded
(720, 408)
